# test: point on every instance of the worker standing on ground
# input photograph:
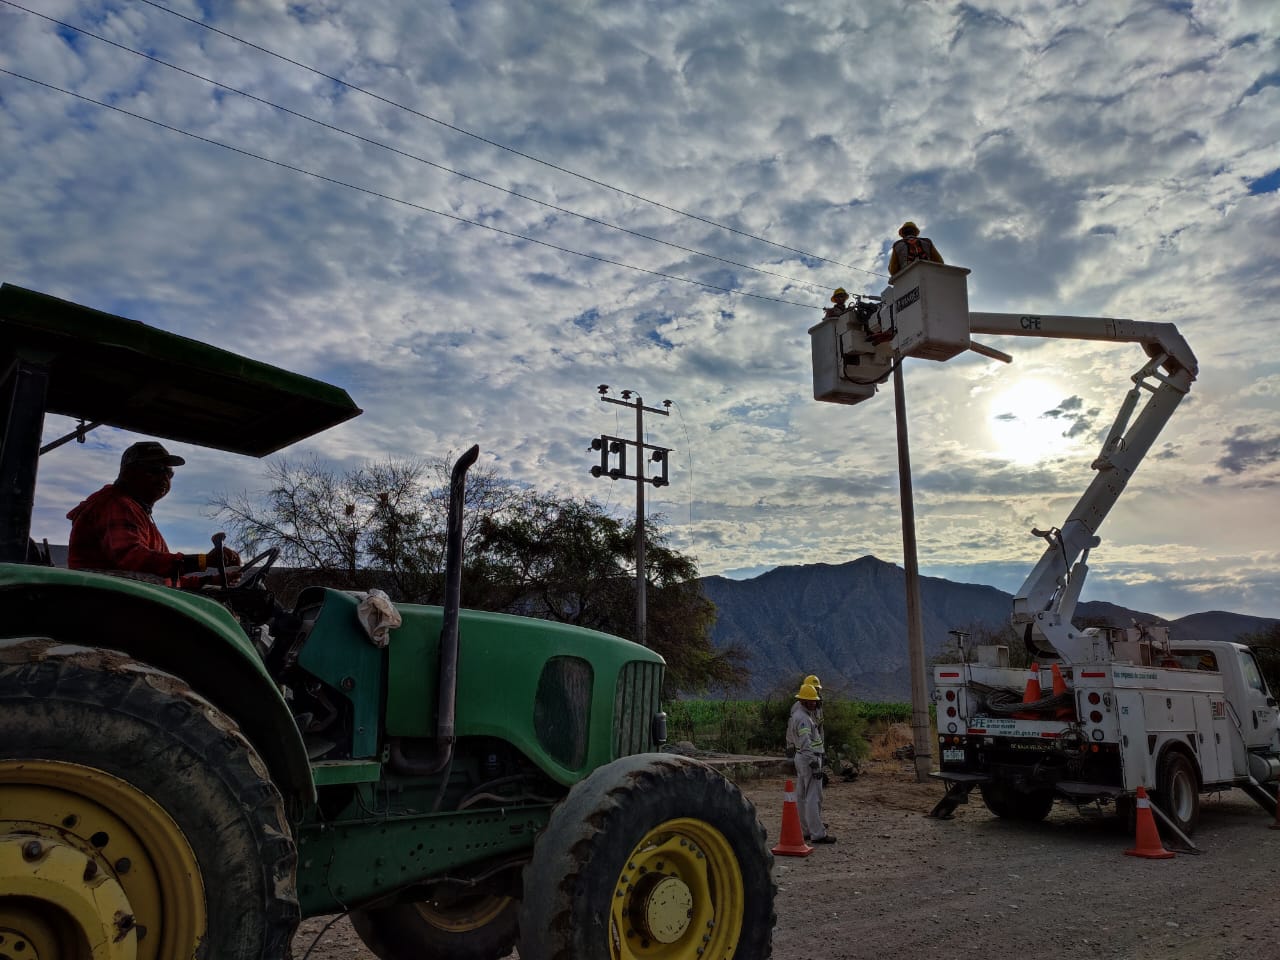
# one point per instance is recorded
(804, 736)
(910, 248)
(813, 680)
(821, 721)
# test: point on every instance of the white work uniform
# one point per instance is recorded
(805, 734)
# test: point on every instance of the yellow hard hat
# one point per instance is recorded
(814, 681)
(840, 292)
(807, 692)
(908, 228)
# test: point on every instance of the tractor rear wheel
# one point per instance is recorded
(653, 856)
(476, 926)
(1009, 804)
(136, 817)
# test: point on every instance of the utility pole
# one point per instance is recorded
(915, 620)
(617, 446)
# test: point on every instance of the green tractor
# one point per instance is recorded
(187, 775)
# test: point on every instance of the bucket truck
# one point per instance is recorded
(1102, 710)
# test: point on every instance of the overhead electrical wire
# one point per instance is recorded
(406, 154)
(502, 146)
(407, 203)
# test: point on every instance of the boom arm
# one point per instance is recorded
(1047, 598)
(925, 314)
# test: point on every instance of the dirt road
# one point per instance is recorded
(902, 886)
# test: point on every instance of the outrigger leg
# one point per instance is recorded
(957, 793)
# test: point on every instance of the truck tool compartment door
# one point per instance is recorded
(1138, 768)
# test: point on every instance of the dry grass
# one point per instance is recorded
(896, 736)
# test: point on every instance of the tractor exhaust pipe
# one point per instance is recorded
(447, 692)
(447, 699)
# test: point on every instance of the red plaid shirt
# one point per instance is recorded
(112, 531)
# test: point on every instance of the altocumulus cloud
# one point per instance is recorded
(1097, 159)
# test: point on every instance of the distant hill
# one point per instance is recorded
(1218, 625)
(847, 623)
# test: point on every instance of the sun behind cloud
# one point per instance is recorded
(1024, 421)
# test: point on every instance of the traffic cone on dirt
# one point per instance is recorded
(1148, 840)
(1067, 711)
(791, 843)
(1031, 694)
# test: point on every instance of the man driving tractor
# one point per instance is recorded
(112, 530)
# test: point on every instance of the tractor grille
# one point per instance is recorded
(635, 706)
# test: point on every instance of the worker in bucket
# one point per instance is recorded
(910, 247)
(839, 304)
(112, 530)
(804, 736)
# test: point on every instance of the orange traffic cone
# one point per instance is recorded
(1067, 711)
(1031, 694)
(791, 843)
(1148, 841)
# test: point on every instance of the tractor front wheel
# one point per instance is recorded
(654, 856)
(450, 926)
(135, 819)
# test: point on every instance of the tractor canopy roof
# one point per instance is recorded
(108, 369)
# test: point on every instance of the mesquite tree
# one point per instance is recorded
(529, 553)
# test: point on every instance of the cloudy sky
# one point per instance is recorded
(458, 221)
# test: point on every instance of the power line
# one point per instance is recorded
(407, 203)
(403, 153)
(502, 146)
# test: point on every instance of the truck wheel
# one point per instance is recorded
(467, 927)
(135, 815)
(653, 856)
(1178, 790)
(1010, 804)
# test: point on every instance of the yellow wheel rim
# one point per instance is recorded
(96, 861)
(679, 896)
(463, 915)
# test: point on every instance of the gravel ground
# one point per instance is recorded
(899, 884)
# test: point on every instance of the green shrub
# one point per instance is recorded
(886, 713)
(845, 730)
(747, 726)
(726, 726)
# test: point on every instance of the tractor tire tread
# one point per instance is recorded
(150, 728)
(591, 812)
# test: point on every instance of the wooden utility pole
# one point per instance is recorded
(608, 446)
(915, 620)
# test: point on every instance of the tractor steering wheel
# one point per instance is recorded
(254, 570)
(249, 576)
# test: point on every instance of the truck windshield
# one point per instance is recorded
(1252, 675)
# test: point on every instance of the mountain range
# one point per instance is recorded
(847, 624)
